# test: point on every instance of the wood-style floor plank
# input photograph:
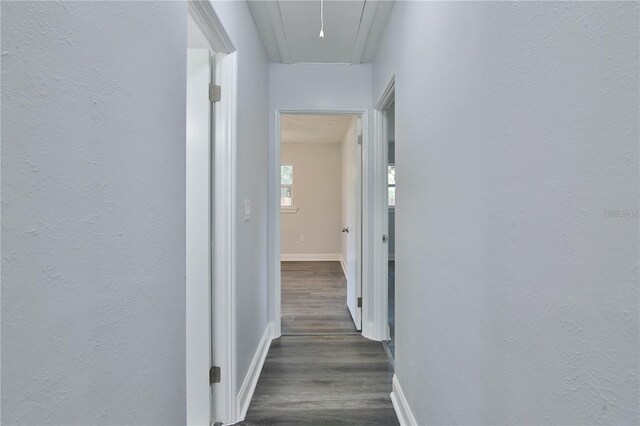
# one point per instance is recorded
(323, 380)
(314, 298)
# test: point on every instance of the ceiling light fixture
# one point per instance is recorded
(321, 18)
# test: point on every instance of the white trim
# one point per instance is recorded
(225, 232)
(400, 405)
(387, 96)
(274, 250)
(251, 379)
(366, 227)
(344, 265)
(198, 236)
(222, 397)
(288, 210)
(310, 257)
(380, 215)
(203, 14)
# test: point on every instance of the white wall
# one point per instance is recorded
(317, 193)
(317, 87)
(252, 170)
(93, 212)
(516, 127)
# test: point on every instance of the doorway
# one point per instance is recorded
(385, 210)
(390, 210)
(210, 196)
(320, 190)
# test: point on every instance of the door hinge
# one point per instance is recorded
(359, 302)
(214, 375)
(214, 92)
(385, 239)
(359, 139)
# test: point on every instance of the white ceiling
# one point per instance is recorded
(289, 29)
(304, 128)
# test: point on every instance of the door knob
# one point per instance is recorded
(345, 230)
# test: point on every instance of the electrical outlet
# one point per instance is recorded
(303, 238)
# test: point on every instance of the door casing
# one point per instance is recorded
(198, 232)
(221, 405)
(363, 219)
(381, 213)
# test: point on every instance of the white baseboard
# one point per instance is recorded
(272, 331)
(251, 380)
(401, 406)
(344, 266)
(310, 257)
(369, 332)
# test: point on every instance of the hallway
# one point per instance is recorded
(160, 159)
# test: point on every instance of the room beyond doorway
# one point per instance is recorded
(320, 223)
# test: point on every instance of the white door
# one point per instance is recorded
(352, 219)
(198, 237)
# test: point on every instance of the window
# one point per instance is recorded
(286, 183)
(391, 183)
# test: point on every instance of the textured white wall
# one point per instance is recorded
(317, 193)
(517, 124)
(93, 212)
(252, 154)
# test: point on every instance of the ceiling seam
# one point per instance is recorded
(355, 41)
(284, 31)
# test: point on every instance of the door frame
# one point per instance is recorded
(224, 228)
(364, 219)
(221, 311)
(199, 167)
(380, 255)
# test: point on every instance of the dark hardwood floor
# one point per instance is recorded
(314, 298)
(323, 380)
(311, 377)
